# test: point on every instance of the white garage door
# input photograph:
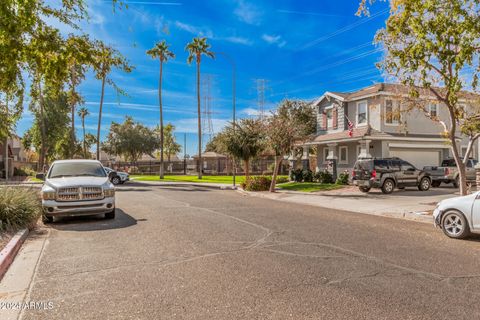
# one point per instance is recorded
(418, 157)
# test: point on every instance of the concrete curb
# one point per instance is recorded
(179, 184)
(10, 251)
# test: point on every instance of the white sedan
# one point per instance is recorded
(460, 216)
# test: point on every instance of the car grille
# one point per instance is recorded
(79, 193)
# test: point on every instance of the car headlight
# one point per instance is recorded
(49, 195)
(109, 192)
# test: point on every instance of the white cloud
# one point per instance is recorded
(251, 112)
(201, 31)
(247, 12)
(239, 40)
(274, 39)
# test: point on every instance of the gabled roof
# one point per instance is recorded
(336, 95)
(357, 133)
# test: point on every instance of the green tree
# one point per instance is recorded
(246, 141)
(286, 127)
(170, 147)
(83, 113)
(433, 47)
(55, 114)
(104, 59)
(196, 49)
(161, 52)
(217, 143)
(130, 139)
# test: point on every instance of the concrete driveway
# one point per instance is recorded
(194, 253)
(409, 203)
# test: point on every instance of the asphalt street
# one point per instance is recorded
(180, 252)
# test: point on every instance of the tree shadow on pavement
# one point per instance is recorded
(95, 222)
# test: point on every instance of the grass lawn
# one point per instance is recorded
(309, 186)
(181, 178)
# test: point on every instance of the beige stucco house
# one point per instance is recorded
(381, 128)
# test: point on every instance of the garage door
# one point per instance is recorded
(418, 157)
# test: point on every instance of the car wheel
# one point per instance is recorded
(364, 189)
(388, 186)
(116, 180)
(456, 182)
(110, 215)
(47, 219)
(454, 225)
(424, 184)
(436, 184)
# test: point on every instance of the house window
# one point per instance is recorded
(343, 151)
(392, 112)
(325, 154)
(433, 110)
(362, 113)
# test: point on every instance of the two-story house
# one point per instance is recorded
(379, 127)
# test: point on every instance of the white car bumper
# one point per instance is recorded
(78, 208)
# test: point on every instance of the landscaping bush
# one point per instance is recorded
(257, 183)
(23, 172)
(323, 177)
(282, 179)
(296, 175)
(19, 208)
(342, 178)
(307, 175)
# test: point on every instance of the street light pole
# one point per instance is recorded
(234, 71)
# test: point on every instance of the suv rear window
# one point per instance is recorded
(381, 164)
(364, 165)
(448, 163)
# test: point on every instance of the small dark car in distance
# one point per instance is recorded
(387, 174)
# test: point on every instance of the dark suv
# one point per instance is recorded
(388, 174)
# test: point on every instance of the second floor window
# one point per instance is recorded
(362, 113)
(392, 112)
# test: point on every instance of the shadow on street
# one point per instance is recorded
(95, 222)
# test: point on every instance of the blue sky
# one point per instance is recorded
(301, 49)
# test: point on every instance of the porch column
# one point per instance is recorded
(332, 159)
(319, 165)
(306, 158)
(365, 149)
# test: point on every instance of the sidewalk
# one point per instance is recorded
(407, 204)
(224, 186)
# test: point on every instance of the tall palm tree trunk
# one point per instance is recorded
(247, 167)
(161, 120)
(100, 118)
(200, 164)
(72, 150)
(84, 145)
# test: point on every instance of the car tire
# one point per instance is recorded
(47, 219)
(456, 182)
(436, 184)
(388, 186)
(454, 225)
(364, 189)
(424, 184)
(110, 215)
(116, 180)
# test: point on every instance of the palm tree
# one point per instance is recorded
(105, 58)
(196, 49)
(160, 51)
(82, 113)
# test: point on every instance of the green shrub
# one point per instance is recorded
(323, 177)
(342, 178)
(19, 208)
(307, 175)
(296, 175)
(257, 183)
(282, 179)
(23, 172)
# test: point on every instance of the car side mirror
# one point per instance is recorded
(40, 176)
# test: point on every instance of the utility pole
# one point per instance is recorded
(234, 71)
(261, 87)
(6, 144)
(185, 153)
(207, 105)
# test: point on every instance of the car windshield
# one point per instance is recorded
(77, 169)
